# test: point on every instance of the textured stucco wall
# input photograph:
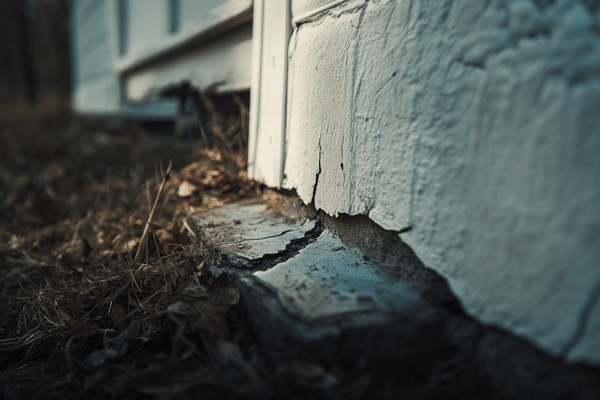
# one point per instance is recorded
(302, 7)
(474, 128)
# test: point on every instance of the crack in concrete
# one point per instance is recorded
(230, 265)
(259, 238)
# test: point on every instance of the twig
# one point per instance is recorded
(144, 238)
(187, 227)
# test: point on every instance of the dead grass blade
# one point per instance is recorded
(143, 240)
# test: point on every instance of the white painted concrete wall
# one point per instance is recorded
(474, 126)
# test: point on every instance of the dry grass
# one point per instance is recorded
(49, 109)
(77, 303)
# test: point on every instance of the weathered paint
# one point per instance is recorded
(150, 34)
(221, 65)
(269, 82)
(472, 126)
(95, 53)
(128, 50)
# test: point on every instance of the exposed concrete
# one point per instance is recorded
(310, 294)
(448, 120)
(392, 256)
(241, 236)
(327, 278)
(334, 299)
(330, 294)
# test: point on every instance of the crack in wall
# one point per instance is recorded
(314, 194)
(259, 238)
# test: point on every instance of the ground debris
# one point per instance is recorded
(79, 312)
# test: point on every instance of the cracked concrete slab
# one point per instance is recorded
(327, 278)
(308, 293)
(332, 301)
(350, 292)
(241, 236)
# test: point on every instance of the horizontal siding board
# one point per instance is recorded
(99, 97)
(146, 24)
(90, 28)
(221, 65)
(97, 61)
(93, 96)
(89, 9)
(80, 7)
(97, 41)
(151, 38)
(193, 10)
(92, 52)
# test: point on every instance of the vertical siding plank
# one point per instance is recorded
(268, 112)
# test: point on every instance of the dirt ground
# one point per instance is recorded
(92, 301)
(95, 303)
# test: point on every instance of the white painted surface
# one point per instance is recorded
(268, 102)
(302, 7)
(476, 124)
(147, 24)
(150, 36)
(222, 65)
(307, 11)
(193, 10)
(96, 85)
(200, 51)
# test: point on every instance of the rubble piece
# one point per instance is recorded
(242, 236)
(331, 301)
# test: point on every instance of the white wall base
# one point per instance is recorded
(476, 125)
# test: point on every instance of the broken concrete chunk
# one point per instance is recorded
(317, 301)
(330, 299)
(241, 236)
(327, 278)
